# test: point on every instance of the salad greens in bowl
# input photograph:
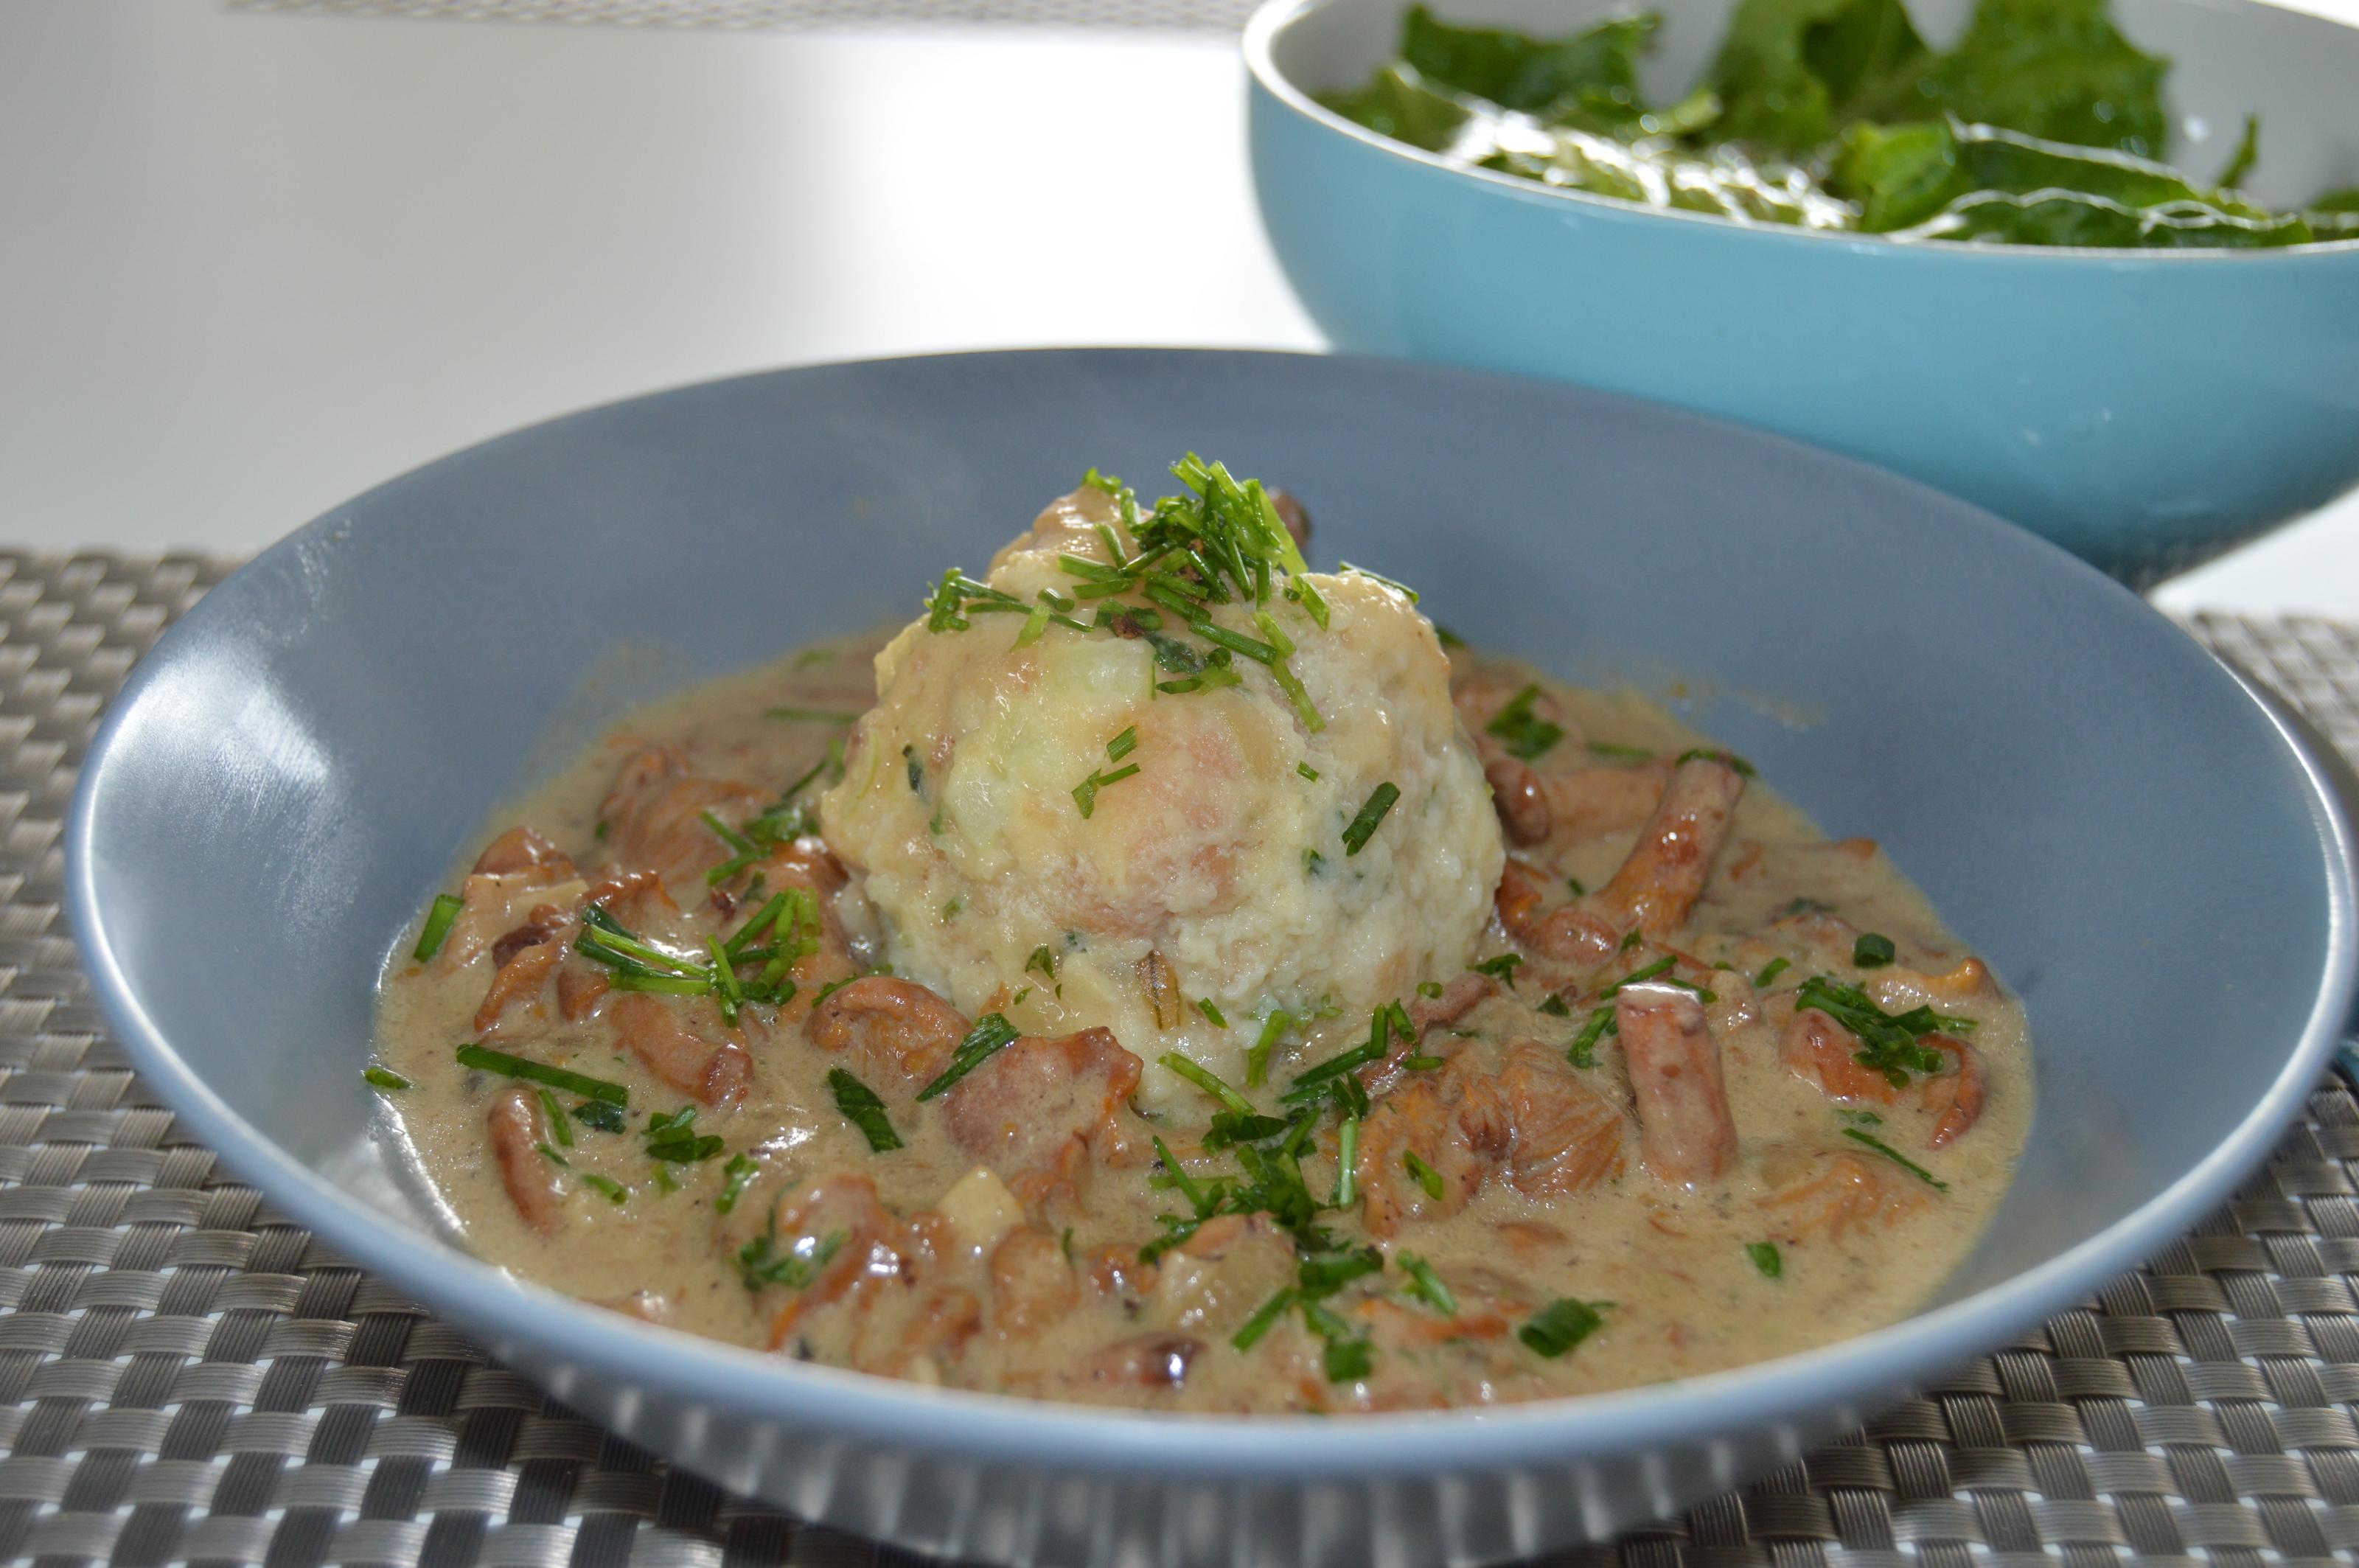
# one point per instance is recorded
(2041, 125)
(2094, 266)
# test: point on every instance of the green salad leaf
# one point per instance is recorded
(2042, 125)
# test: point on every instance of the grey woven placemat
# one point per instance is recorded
(186, 1377)
(746, 16)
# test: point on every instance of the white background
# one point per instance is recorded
(254, 263)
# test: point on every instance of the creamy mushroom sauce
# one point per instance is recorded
(1549, 1193)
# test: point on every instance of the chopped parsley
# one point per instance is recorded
(484, 1059)
(384, 1078)
(1427, 1176)
(1896, 1158)
(600, 1115)
(1766, 1257)
(1502, 968)
(863, 1109)
(737, 1176)
(1888, 1042)
(1363, 826)
(1042, 961)
(1561, 1325)
(1553, 1006)
(1872, 951)
(1771, 969)
(444, 911)
(1526, 734)
(674, 1139)
(990, 1033)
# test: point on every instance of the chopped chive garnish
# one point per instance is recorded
(763, 919)
(1561, 1325)
(1620, 753)
(1363, 826)
(762, 1262)
(1212, 1011)
(1726, 758)
(484, 1059)
(1208, 1080)
(1180, 1177)
(1400, 588)
(1306, 771)
(730, 835)
(732, 996)
(1427, 1176)
(1043, 961)
(1421, 1063)
(740, 1171)
(1264, 1318)
(1889, 1041)
(1872, 951)
(1526, 734)
(445, 909)
(1766, 1257)
(863, 1109)
(1553, 1006)
(1297, 694)
(1429, 989)
(1347, 1170)
(1426, 1285)
(990, 1033)
(1122, 745)
(1573, 885)
(814, 715)
(613, 1191)
(1660, 966)
(1502, 968)
(1257, 1058)
(560, 1127)
(1630, 939)
(1085, 793)
(1896, 1158)
(1601, 1023)
(384, 1078)
(1771, 969)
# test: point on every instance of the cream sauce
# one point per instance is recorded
(1031, 1281)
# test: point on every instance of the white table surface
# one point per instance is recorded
(252, 263)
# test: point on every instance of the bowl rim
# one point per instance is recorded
(1855, 1376)
(1273, 18)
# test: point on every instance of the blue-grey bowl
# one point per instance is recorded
(2131, 838)
(2144, 410)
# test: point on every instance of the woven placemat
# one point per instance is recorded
(184, 1377)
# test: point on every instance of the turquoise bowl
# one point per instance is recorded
(2145, 411)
